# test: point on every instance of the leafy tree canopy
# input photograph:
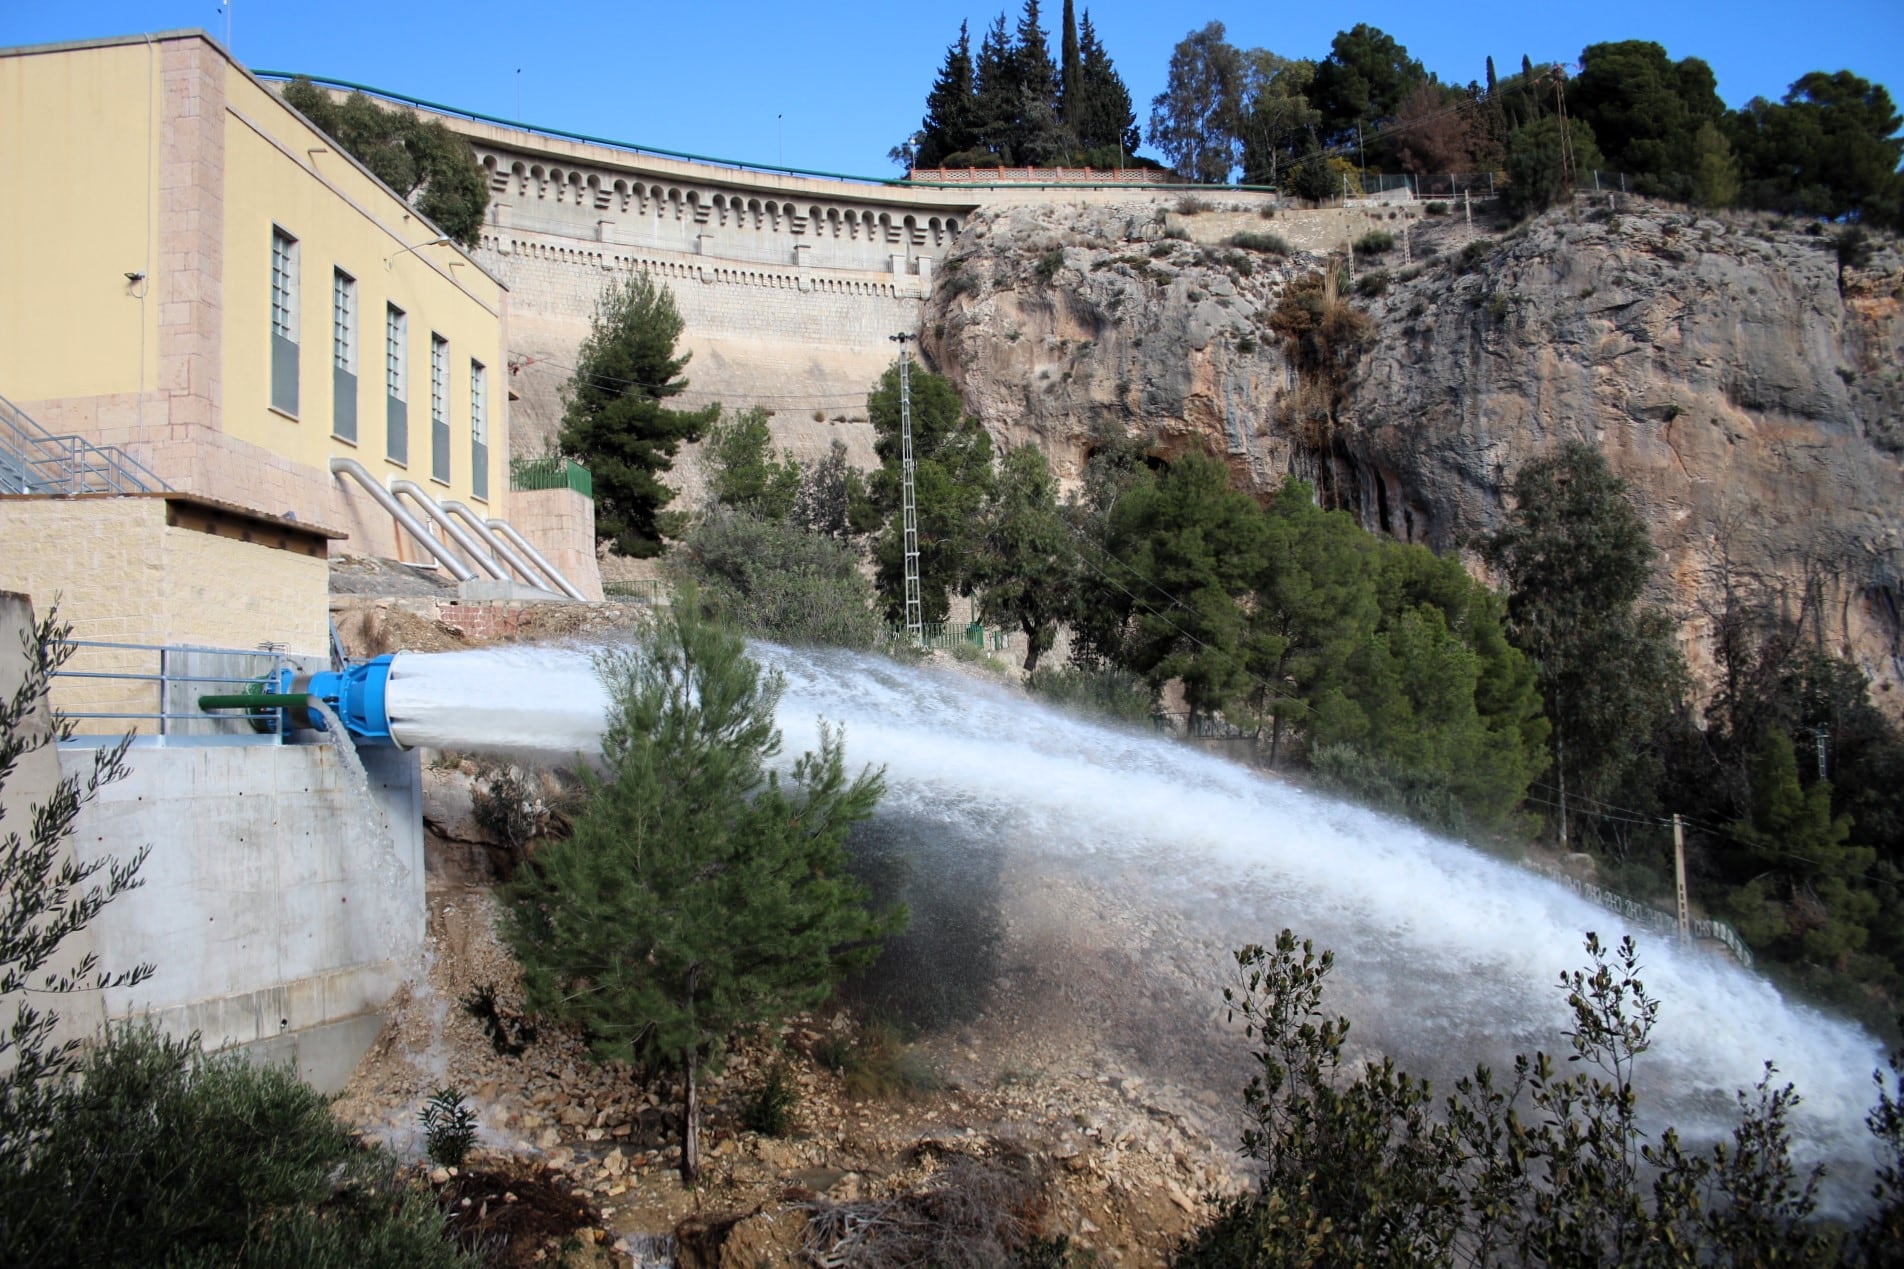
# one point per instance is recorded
(1027, 566)
(428, 166)
(614, 420)
(1831, 148)
(1645, 111)
(1365, 78)
(952, 474)
(1198, 117)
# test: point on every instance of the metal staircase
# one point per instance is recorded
(34, 461)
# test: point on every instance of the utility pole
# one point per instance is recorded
(1679, 878)
(908, 498)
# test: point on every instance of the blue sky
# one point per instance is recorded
(833, 87)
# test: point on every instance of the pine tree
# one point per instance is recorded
(1576, 559)
(995, 92)
(951, 107)
(1027, 558)
(698, 892)
(952, 474)
(614, 421)
(1037, 134)
(1104, 118)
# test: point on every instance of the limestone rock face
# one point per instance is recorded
(1754, 408)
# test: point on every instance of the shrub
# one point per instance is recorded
(1436, 208)
(770, 1111)
(1473, 254)
(508, 1034)
(883, 1066)
(1375, 242)
(449, 1127)
(1191, 205)
(779, 581)
(1049, 263)
(164, 1155)
(1265, 243)
(1176, 233)
(1374, 282)
(1110, 692)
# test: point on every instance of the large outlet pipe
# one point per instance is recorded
(494, 700)
(356, 695)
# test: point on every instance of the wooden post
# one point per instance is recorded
(1679, 877)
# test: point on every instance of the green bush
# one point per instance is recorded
(449, 1127)
(1473, 254)
(1374, 282)
(1266, 243)
(772, 1109)
(1191, 205)
(1049, 263)
(163, 1155)
(1422, 796)
(882, 1066)
(776, 580)
(1436, 208)
(1374, 243)
(1111, 692)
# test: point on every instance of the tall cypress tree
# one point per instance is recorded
(1071, 68)
(951, 107)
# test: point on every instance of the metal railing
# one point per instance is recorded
(526, 475)
(153, 689)
(642, 590)
(1645, 914)
(934, 635)
(35, 461)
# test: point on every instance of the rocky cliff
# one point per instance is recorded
(1752, 399)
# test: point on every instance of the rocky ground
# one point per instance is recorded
(1033, 1096)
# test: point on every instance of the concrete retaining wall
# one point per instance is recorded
(282, 901)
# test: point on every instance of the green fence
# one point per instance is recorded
(946, 634)
(528, 474)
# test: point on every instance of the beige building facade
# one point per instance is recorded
(234, 302)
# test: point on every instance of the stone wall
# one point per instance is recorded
(561, 524)
(122, 574)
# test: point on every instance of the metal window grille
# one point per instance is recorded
(393, 375)
(478, 430)
(344, 321)
(439, 408)
(283, 285)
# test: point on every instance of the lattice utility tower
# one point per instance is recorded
(1568, 177)
(908, 497)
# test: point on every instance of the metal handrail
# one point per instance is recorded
(165, 675)
(39, 461)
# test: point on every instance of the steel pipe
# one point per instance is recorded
(383, 498)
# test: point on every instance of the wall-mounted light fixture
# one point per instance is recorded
(434, 242)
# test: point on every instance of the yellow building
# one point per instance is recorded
(195, 274)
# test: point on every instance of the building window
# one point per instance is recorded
(396, 378)
(439, 408)
(284, 322)
(343, 355)
(478, 430)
